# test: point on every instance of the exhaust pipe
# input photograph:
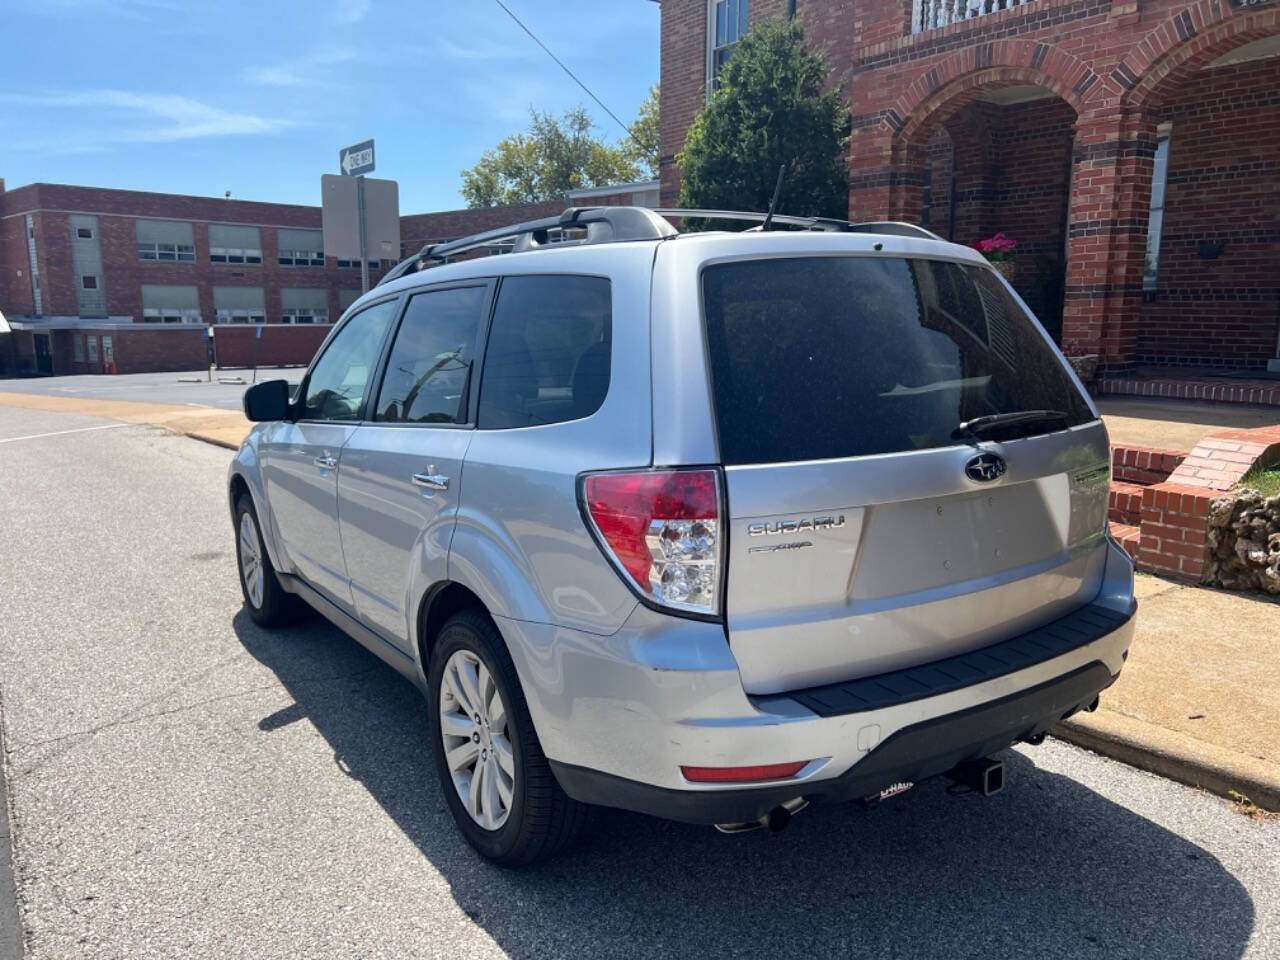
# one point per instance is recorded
(985, 776)
(776, 819)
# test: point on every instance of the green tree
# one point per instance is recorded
(641, 148)
(769, 109)
(555, 155)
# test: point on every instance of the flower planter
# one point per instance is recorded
(1006, 268)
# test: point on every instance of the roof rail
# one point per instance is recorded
(603, 225)
(614, 224)
(887, 227)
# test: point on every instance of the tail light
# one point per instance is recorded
(662, 531)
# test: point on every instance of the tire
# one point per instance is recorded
(268, 603)
(538, 820)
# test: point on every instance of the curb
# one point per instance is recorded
(205, 438)
(12, 940)
(1174, 755)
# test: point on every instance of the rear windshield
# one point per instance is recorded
(821, 357)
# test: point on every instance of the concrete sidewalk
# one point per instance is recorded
(226, 428)
(1198, 702)
(1199, 699)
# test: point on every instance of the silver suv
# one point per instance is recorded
(704, 525)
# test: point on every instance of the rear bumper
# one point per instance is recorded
(618, 716)
(911, 755)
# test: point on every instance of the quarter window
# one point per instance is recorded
(549, 350)
(336, 385)
(428, 374)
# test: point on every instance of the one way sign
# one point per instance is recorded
(356, 159)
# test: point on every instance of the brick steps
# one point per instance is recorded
(1127, 536)
(1217, 390)
(1124, 504)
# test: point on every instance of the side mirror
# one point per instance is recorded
(267, 401)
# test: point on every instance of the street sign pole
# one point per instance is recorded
(364, 253)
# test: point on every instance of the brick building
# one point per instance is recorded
(1131, 146)
(99, 281)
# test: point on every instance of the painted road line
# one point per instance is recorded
(59, 433)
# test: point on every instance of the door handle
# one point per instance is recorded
(326, 463)
(432, 481)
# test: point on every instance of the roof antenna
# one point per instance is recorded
(773, 204)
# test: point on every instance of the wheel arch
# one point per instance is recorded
(441, 602)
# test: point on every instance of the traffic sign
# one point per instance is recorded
(356, 159)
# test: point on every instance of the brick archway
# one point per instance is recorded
(959, 78)
(1184, 43)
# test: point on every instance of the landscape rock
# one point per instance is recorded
(1244, 541)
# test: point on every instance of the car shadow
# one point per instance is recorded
(1047, 868)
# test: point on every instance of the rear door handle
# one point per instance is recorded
(432, 481)
(326, 463)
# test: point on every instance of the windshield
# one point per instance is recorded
(822, 357)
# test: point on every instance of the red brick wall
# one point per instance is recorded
(281, 345)
(124, 274)
(1223, 188)
(423, 228)
(1115, 66)
(135, 349)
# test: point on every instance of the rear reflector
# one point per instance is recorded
(661, 529)
(765, 771)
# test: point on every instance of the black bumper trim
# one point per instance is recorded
(913, 754)
(978, 666)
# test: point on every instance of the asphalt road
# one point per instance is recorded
(172, 388)
(183, 784)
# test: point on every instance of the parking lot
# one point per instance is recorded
(184, 784)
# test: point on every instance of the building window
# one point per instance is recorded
(93, 349)
(303, 315)
(77, 348)
(235, 255)
(726, 23)
(84, 233)
(240, 315)
(355, 264)
(301, 258)
(167, 251)
(234, 244)
(300, 248)
(89, 282)
(169, 315)
(1155, 223)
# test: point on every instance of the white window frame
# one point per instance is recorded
(77, 348)
(170, 315)
(355, 264)
(304, 315)
(93, 348)
(301, 258)
(1155, 212)
(167, 252)
(84, 281)
(239, 315)
(236, 255)
(84, 233)
(713, 47)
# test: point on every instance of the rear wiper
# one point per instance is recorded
(979, 425)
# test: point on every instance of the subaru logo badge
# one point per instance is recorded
(985, 467)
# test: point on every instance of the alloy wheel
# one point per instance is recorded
(251, 570)
(477, 743)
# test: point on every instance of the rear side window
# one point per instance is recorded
(818, 358)
(429, 370)
(548, 355)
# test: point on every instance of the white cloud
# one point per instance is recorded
(351, 11)
(129, 117)
(299, 72)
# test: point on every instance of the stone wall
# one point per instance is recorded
(1244, 542)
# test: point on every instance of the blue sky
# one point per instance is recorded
(184, 96)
